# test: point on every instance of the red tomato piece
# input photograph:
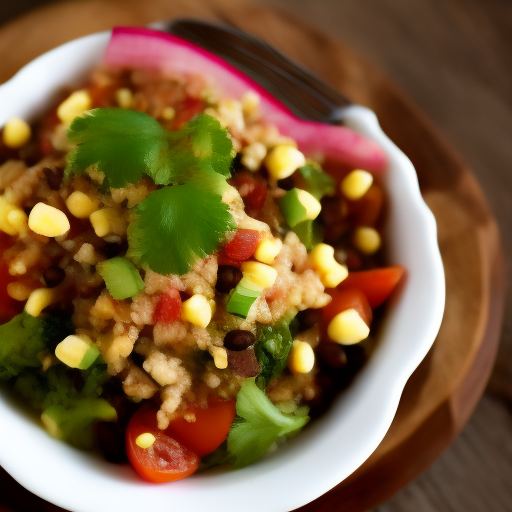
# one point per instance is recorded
(243, 245)
(210, 429)
(224, 259)
(252, 189)
(376, 284)
(168, 308)
(343, 300)
(189, 108)
(166, 460)
(9, 307)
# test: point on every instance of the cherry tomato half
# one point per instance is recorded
(210, 429)
(376, 284)
(166, 460)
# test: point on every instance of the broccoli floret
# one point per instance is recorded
(74, 424)
(55, 328)
(20, 344)
(68, 413)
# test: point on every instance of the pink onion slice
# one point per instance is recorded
(133, 47)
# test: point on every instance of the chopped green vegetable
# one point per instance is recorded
(68, 413)
(176, 225)
(272, 347)
(260, 424)
(121, 277)
(20, 343)
(310, 233)
(125, 144)
(242, 298)
(292, 209)
(318, 183)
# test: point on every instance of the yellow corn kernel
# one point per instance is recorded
(312, 205)
(331, 272)
(283, 161)
(107, 220)
(250, 103)
(253, 155)
(16, 133)
(301, 358)
(367, 240)
(19, 220)
(348, 328)
(220, 357)
(6, 210)
(197, 310)
(71, 350)
(48, 221)
(81, 205)
(322, 257)
(124, 97)
(168, 113)
(73, 106)
(268, 249)
(355, 184)
(145, 440)
(334, 276)
(260, 274)
(38, 300)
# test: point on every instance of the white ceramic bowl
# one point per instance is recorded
(332, 447)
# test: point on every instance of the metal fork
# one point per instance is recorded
(305, 94)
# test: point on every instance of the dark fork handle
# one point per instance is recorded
(295, 86)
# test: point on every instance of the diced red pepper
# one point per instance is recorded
(168, 308)
(252, 189)
(376, 284)
(243, 245)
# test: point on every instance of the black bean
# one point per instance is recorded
(110, 440)
(239, 340)
(243, 363)
(53, 276)
(286, 183)
(111, 250)
(228, 277)
(308, 318)
(53, 177)
(332, 354)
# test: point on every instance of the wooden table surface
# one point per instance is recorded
(452, 57)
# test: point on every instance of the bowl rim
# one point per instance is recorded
(321, 444)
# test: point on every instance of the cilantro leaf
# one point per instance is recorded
(260, 424)
(201, 150)
(175, 226)
(272, 347)
(317, 182)
(123, 143)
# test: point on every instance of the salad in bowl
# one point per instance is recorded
(191, 275)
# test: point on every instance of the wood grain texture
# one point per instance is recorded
(442, 393)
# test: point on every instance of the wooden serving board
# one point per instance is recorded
(444, 390)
